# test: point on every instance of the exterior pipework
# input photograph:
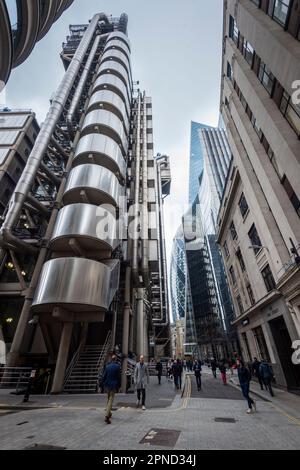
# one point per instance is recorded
(145, 251)
(25, 183)
(135, 266)
(81, 85)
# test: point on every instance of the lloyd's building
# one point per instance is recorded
(82, 260)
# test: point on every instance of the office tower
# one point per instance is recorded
(196, 160)
(196, 260)
(259, 226)
(18, 131)
(22, 25)
(85, 222)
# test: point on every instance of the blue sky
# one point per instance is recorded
(176, 56)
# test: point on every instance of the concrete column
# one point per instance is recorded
(125, 343)
(146, 340)
(140, 322)
(62, 358)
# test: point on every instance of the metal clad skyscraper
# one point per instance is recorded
(90, 263)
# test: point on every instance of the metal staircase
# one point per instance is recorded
(83, 372)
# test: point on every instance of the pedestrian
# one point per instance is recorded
(177, 374)
(197, 371)
(184, 365)
(222, 368)
(245, 378)
(159, 369)
(111, 382)
(266, 376)
(214, 367)
(256, 372)
(141, 379)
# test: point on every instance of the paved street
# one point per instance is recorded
(214, 418)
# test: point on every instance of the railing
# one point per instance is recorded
(14, 377)
(72, 364)
(103, 355)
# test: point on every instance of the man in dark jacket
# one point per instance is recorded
(255, 368)
(214, 368)
(177, 374)
(159, 368)
(197, 371)
(245, 378)
(266, 375)
(112, 383)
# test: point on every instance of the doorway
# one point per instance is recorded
(283, 344)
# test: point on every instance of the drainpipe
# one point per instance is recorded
(145, 234)
(135, 266)
(41, 144)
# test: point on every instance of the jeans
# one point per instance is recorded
(246, 390)
(268, 385)
(143, 392)
(214, 373)
(159, 378)
(110, 400)
(224, 378)
(198, 380)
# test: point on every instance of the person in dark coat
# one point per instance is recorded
(214, 368)
(159, 369)
(245, 378)
(111, 381)
(256, 372)
(197, 371)
(222, 368)
(267, 376)
(177, 374)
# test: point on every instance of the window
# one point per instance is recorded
(255, 240)
(226, 251)
(256, 127)
(233, 30)
(229, 71)
(232, 275)
(233, 231)
(268, 278)
(243, 205)
(245, 340)
(250, 294)
(241, 260)
(240, 304)
(291, 112)
(261, 344)
(266, 77)
(278, 10)
(291, 194)
(248, 52)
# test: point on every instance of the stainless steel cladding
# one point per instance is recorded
(76, 284)
(112, 102)
(101, 150)
(117, 69)
(118, 45)
(121, 36)
(113, 83)
(87, 225)
(107, 123)
(92, 184)
(118, 56)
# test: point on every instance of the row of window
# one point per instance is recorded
(281, 12)
(281, 97)
(288, 109)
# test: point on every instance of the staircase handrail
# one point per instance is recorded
(104, 352)
(72, 364)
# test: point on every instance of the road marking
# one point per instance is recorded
(294, 420)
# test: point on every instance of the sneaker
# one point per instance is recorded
(143, 408)
(249, 412)
(107, 420)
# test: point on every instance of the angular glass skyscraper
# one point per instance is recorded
(196, 160)
(206, 290)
